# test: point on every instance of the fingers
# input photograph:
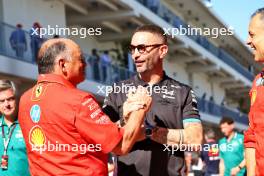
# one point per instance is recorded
(129, 107)
(136, 99)
(141, 93)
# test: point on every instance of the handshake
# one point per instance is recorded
(139, 99)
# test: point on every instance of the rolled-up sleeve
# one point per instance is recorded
(250, 138)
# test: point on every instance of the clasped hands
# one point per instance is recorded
(136, 100)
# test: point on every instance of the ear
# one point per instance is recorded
(62, 65)
(163, 51)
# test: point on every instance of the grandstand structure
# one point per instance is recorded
(218, 69)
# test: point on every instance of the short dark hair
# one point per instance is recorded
(210, 134)
(259, 11)
(154, 29)
(227, 120)
(47, 56)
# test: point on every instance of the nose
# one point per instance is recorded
(136, 54)
(249, 40)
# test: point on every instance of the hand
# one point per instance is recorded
(140, 95)
(129, 107)
(234, 171)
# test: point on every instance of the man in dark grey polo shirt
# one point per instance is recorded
(173, 118)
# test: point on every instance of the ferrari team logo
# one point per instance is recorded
(37, 138)
(38, 90)
(253, 96)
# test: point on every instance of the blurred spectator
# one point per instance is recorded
(210, 154)
(188, 161)
(14, 161)
(94, 62)
(204, 96)
(203, 103)
(197, 165)
(231, 147)
(18, 41)
(112, 165)
(106, 61)
(36, 41)
(223, 102)
(211, 104)
(211, 99)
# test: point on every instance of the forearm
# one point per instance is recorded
(242, 164)
(131, 131)
(250, 161)
(192, 134)
(221, 168)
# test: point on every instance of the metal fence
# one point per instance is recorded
(21, 45)
(210, 107)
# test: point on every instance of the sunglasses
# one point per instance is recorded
(142, 48)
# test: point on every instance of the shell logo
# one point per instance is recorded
(253, 97)
(37, 137)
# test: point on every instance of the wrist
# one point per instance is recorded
(149, 130)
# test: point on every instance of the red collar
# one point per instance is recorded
(54, 79)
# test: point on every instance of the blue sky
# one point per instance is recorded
(236, 13)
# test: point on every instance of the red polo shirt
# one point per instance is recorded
(65, 130)
(254, 136)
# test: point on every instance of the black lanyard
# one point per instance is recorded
(6, 141)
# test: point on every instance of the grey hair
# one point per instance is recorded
(7, 84)
(47, 56)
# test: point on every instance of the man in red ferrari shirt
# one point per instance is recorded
(254, 136)
(65, 130)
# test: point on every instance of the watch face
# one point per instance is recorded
(148, 131)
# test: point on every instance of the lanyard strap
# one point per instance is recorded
(6, 141)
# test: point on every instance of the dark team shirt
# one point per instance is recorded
(210, 156)
(173, 104)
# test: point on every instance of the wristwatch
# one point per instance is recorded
(148, 132)
(148, 129)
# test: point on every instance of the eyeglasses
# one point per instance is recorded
(142, 48)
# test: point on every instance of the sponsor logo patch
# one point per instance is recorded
(35, 113)
(37, 137)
